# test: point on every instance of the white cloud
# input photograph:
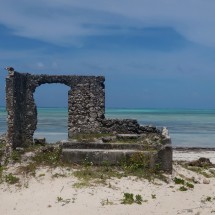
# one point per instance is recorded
(63, 21)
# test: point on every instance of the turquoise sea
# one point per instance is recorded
(186, 127)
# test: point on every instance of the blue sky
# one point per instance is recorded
(153, 53)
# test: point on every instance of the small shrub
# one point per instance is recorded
(29, 169)
(63, 201)
(59, 199)
(138, 199)
(1, 174)
(178, 180)
(139, 165)
(208, 199)
(189, 185)
(200, 170)
(50, 156)
(92, 174)
(153, 196)
(11, 179)
(138, 160)
(128, 198)
(81, 184)
(16, 156)
(182, 181)
(183, 188)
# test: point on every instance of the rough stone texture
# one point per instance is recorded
(161, 153)
(86, 109)
(164, 158)
(128, 136)
(86, 104)
(39, 141)
(101, 156)
(124, 126)
(115, 153)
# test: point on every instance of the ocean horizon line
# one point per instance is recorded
(134, 108)
(187, 127)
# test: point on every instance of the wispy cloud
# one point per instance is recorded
(149, 50)
(66, 22)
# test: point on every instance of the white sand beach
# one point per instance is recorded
(190, 155)
(48, 195)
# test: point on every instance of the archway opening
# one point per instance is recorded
(52, 112)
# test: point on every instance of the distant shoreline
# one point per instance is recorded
(141, 108)
(175, 148)
(188, 129)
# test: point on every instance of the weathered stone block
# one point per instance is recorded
(40, 141)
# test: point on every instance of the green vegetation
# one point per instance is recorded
(90, 175)
(58, 175)
(43, 156)
(138, 199)
(183, 182)
(59, 199)
(1, 174)
(137, 165)
(150, 141)
(11, 179)
(137, 161)
(50, 156)
(183, 188)
(205, 170)
(189, 185)
(90, 137)
(128, 198)
(16, 156)
(33, 157)
(207, 199)
(153, 196)
(40, 156)
(178, 180)
(63, 201)
(29, 169)
(2, 148)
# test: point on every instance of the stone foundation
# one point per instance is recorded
(116, 154)
(86, 115)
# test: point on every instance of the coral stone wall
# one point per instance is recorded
(86, 104)
(86, 107)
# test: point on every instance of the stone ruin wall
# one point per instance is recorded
(86, 107)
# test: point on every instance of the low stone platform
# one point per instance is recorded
(115, 153)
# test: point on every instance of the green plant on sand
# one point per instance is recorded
(11, 179)
(183, 182)
(128, 198)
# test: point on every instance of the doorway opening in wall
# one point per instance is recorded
(52, 112)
